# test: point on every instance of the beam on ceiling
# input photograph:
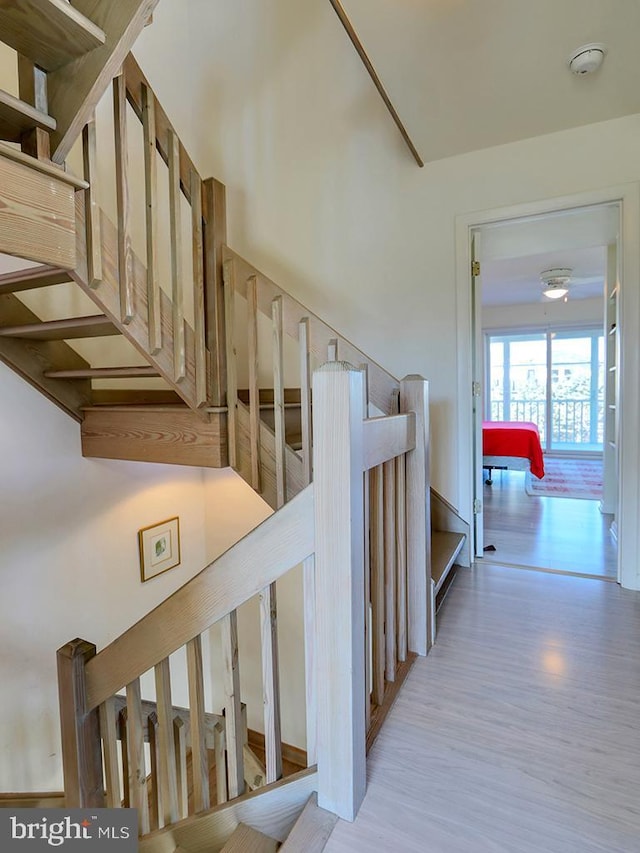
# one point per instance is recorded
(346, 23)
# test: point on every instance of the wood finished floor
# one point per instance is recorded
(519, 733)
(565, 534)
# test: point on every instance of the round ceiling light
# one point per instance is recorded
(556, 282)
(587, 59)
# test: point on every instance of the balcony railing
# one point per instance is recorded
(574, 421)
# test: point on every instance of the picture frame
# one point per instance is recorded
(159, 548)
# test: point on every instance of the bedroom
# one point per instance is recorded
(546, 347)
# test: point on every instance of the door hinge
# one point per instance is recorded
(475, 389)
(477, 506)
(475, 267)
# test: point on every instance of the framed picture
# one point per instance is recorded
(159, 548)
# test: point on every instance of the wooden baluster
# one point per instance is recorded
(215, 239)
(92, 214)
(233, 710)
(254, 391)
(199, 755)
(180, 741)
(125, 256)
(124, 745)
(232, 377)
(339, 525)
(271, 683)
(219, 750)
(154, 316)
(309, 569)
(155, 805)
(199, 318)
(80, 729)
(377, 583)
(32, 88)
(175, 230)
(278, 402)
(109, 734)
(305, 397)
(332, 350)
(389, 469)
(368, 651)
(138, 793)
(401, 556)
(168, 780)
(414, 397)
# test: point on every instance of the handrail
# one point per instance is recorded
(260, 558)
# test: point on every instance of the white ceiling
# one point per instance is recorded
(469, 74)
(513, 254)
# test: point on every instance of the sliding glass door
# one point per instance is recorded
(554, 379)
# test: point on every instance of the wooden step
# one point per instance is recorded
(248, 840)
(311, 831)
(42, 276)
(96, 326)
(17, 117)
(50, 32)
(103, 373)
(445, 547)
(135, 397)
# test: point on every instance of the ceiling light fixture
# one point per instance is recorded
(587, 59)
(556, 282)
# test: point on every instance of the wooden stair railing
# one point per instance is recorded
(327, 519)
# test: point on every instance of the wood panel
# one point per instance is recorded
(50, 32)
(254, 390)
(386, 438)
(256, 561)
(76, 88)
(37, 217)
(233, 714)
(155, 434)
(44, 167)
(199, 306)
(175, 239)
(272, 810)
(215, 236)
(138, 793)
(390, 591)
(305, 398)
(107, 298)
(166, 739)
(377, 583)
(18, 118)
(154, 319)
(248, 840)
(109, 734)
(123, 203)
(229, 276)
(312, 829)
(62, 330)
(271, 682)
(33, 800)
(199, 759)
(29, 279)
(381, 383)
(92, 209)
(32, 359)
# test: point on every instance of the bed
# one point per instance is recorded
(513, 445)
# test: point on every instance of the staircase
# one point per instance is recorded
(226, 382)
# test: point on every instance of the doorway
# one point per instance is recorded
(571, 427)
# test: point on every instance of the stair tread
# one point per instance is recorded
(29, 279)
(245, 839)
(102, 373)
(312, 829)
(445, 547)
(94, 326)
(17, 117)
(50, 32)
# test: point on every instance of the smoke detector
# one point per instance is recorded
(556, 282)
(587, 59)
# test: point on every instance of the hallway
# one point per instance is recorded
(519, 732)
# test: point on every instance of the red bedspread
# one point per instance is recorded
(514, 438)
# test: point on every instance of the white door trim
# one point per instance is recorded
(629, 430)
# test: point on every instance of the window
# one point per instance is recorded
(555, 379)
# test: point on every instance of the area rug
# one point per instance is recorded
(567, 478)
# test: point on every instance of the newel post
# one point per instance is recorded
(414, 397)
(80, 729)
(340, 610)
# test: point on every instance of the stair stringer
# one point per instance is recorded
(445, 517)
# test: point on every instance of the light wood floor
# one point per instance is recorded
(564, 534)
(519, 733)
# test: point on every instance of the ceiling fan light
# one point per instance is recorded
(555, 291)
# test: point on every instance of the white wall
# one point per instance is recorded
(549, 315)
(69, 564)
(324, 197)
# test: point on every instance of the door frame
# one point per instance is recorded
(628, 198)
